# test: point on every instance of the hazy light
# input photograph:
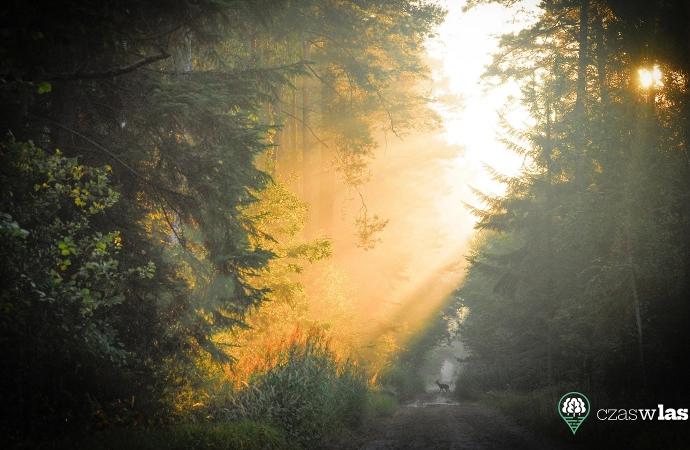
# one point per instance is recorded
(650, 78)
(420, 183)
(465, 44)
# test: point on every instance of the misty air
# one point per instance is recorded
(345, 224)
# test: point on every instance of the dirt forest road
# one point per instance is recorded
(434, 421)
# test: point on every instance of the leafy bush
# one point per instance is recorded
(467, 391)
(60, 276)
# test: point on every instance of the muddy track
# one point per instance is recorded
(434, 421)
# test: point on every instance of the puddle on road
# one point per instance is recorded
(438, 401)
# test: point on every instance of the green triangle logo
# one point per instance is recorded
(574, 409)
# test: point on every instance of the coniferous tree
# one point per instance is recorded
(595, 268)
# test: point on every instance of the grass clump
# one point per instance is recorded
(304, 390)
(535, 409)
(381, 404)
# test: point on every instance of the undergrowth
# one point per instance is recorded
(299, 396)
(241, 435)
(380, 404)
(404, 381)
(304, 390)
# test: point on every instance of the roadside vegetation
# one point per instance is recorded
(166, 276)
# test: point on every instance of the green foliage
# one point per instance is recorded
(365, 76)
(279, 217)
(54, 198)
(245, 434)
(403, 380)
(60, 278)
(122, 291)
(474, 381)
(579, 274)
(534, 408)
(380, 403)
(368, 229)
(158, 92)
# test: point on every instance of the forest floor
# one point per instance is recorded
(434, 421)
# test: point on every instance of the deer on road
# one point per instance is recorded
(443, 387)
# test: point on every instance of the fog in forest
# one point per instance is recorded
(276, 222)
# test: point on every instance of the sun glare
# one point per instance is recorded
(649, 78)
(465, 44)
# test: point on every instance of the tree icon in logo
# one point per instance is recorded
(574, 409)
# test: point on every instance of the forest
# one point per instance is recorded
(172, 172)
(579, 276)
(182, 179)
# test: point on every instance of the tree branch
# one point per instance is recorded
(112, 155)
(112, 72)
(366, 78)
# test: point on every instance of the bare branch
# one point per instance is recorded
(366, 227)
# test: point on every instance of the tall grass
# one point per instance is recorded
(304, 390)
(300, 395)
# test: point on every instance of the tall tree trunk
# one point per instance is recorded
(306, 146)
(636, 297)
(580, 115)
(289, 151)
(601, 59)
(639, 143)
(549, 249)
(292, 123)
(278, 146)
(551, 304)
(326, 169)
